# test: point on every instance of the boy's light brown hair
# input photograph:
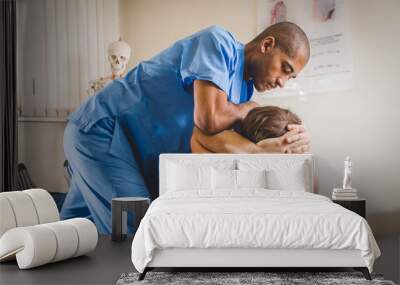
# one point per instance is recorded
(267, 122)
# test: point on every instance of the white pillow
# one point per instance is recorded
(251, 178)
(226, 179)
(188, 177)
(223, 179)
(289, 179)
(287, 173)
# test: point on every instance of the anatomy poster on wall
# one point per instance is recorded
(325, 22)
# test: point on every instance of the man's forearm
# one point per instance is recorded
(213, 112)
(224, 117)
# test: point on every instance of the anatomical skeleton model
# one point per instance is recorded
(119, 53)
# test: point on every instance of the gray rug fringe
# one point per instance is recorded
(244, 278)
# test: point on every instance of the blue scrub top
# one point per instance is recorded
(153, 104)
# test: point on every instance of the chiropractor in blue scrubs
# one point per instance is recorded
(113, 140)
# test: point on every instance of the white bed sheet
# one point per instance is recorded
(251, 218)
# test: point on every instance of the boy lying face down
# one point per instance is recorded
(261, 124)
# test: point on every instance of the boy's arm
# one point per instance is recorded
(196, 146)
(228, 141)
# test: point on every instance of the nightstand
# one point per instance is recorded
(119, 209)
(358, 206)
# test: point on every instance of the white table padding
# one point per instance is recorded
(7, 218)
(46, 208)
(40, 244)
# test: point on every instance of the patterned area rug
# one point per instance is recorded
(243, 278)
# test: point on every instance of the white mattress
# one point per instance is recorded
(252, 218)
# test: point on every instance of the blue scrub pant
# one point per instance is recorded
(97, 174)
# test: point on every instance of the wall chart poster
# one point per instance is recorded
(325, 22)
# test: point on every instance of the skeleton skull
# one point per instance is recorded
(118, 56)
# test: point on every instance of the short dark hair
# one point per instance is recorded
(289, 38)
(267, 122)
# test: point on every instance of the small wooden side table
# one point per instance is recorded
(358, 206)
(120, 207)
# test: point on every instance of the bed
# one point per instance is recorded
(246, 210)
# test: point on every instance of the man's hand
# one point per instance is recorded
(296, 140)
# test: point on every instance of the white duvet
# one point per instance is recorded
(252, 218)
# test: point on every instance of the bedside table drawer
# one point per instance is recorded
(357, 206)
